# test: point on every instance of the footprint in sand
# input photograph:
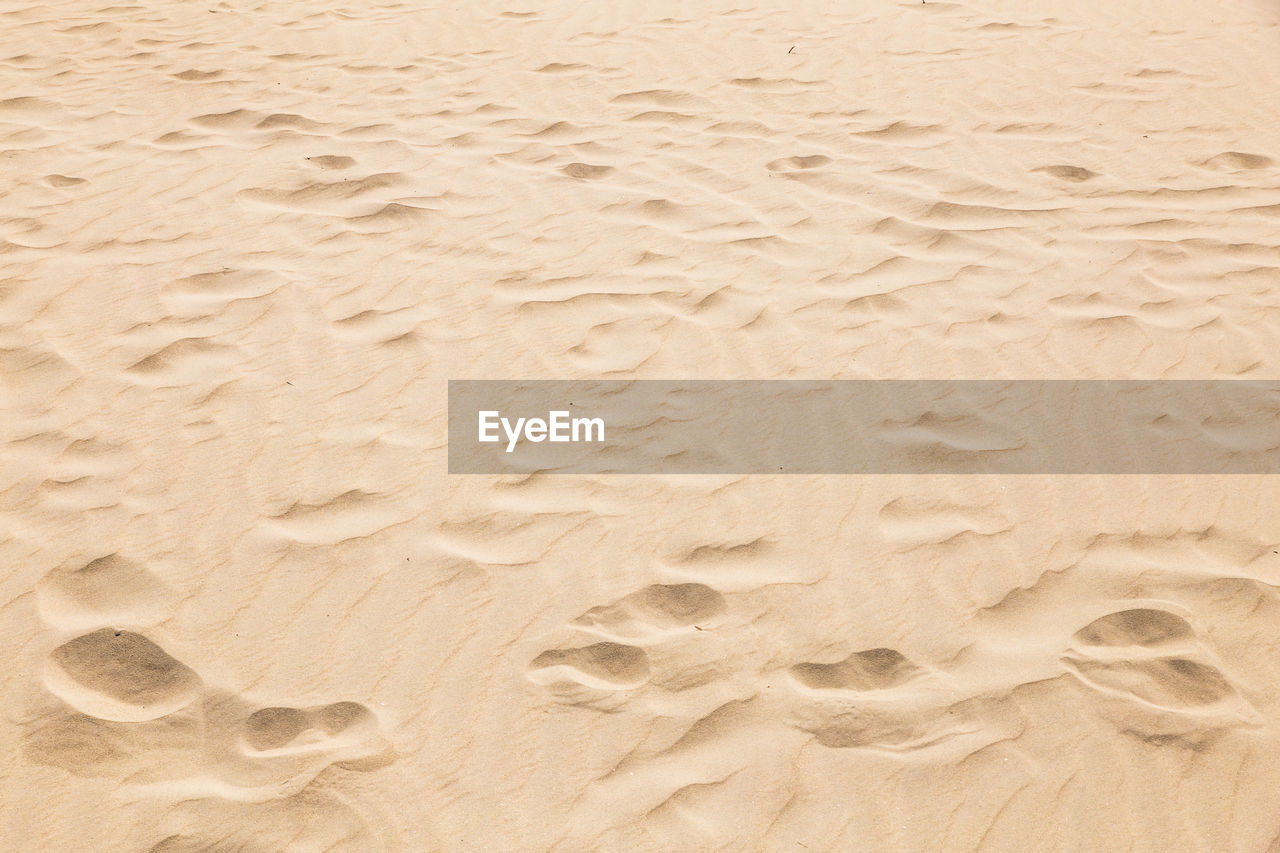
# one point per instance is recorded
(119, 705)
(879, 699)
(1139, 626)
(128, 708)
(655, 612)
(604, 666)
(1074, 174)
(1238, 161)
(1154, 675)
(874, 699)
(110, 589)
(119, 676)
(277, 731)
(1176, 684)
(797, 166)
(874, 669)
(309, 821)
(331, 161)
(586, 171)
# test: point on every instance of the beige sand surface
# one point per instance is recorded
(244, 608)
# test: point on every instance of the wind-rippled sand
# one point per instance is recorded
(245, 609)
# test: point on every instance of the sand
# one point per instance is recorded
(244, 247)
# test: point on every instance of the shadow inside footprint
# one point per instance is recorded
(654, 610)
(873, 669)
(273, 728)
(791, 164)
(1154, 677)
(1173, 683)
(216, 745)
(1141, 626)
(586, 171)
(109, 589)
(307, 729)
(1238, 161)
(128, 706)
(119, 675)
(57, 736)
(1075, 174)
(611, 666)
(912, 724)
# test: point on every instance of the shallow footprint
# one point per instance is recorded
(879, 699)
(91, 747)
(253, 752)
(654, 611)
(121, 676)
(331, 161)
(1152, 677)
(62, 181)
(1075, 174)
(1238, 161)
(873, 669)
(307, 821)
(216, 746)
(608, 666)
(274, 728)
(795, 164)
(586, 171)
(293, 730)
(910, 724)
(1174, 683)
(1140, 626)
(106, 590)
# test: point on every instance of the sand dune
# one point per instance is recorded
(246, 609)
